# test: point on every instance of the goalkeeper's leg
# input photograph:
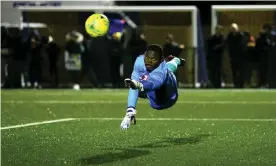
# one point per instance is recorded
(174, 63)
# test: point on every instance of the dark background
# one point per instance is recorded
(203, 6)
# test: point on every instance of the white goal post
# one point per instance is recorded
(192, 9)
(220, 8)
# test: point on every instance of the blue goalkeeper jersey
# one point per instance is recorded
(160, 85)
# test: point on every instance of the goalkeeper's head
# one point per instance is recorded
(153, 57)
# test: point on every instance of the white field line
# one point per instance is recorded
(124, 102)
(139, 119)
(37, 123)
(124, 92)
(184, 119)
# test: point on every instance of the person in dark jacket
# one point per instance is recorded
(18, 66)
(5, 55)
(35, 67)
(53, 51)
(116, 52)
(138, 44)
(171, 47)
(262, 48)
(252, 59)
(214, 57)
(236, 42)
(87, 60)
(272, 60)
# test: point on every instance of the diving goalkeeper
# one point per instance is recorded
(153, 77)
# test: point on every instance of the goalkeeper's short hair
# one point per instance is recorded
(156, 48)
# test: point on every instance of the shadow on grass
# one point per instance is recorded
(174, 141)
(114, 156)
(138, 151)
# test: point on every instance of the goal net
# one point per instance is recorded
(155, 22)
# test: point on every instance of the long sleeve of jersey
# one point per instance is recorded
(155, 81)
(133, 94)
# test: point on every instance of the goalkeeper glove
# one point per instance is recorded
(134, 84)
(129, 117)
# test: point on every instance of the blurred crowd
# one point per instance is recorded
(246, 53)
(23, 56)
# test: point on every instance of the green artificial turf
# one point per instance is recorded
(205, 127)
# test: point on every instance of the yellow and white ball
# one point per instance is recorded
(97, 25)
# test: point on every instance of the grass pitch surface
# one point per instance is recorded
(205, 127)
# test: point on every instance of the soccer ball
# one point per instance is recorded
(97, 25)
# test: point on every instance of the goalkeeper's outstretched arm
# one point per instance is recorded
(133, 93)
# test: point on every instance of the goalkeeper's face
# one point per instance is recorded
(152, 60)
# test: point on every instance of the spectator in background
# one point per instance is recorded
(5, 55)
(272, 60)
(35, 66)
(236, 42)
(137, 44)
(53, 51)
(18, 66)
(74, 49)
(262, 48)
(214, 57)
(252, 58)
(171, 47)
(88, 68)
(116, 52)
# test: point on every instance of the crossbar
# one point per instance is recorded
(108, 8)
(244, 7)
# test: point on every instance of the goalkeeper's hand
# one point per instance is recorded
(129, 117)
(133, 84)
